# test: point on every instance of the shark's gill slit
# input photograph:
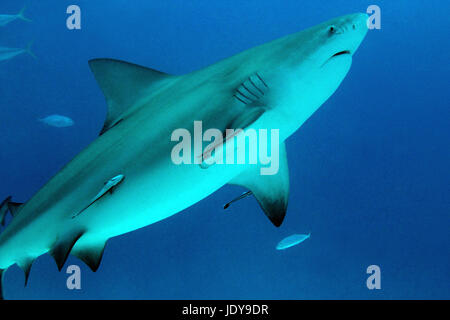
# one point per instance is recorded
(239, 99)
(251, 81)
(245, 87)
(239, 91)
(264, 83)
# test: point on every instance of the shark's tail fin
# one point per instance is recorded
(28, 50)
(4, 208)
(21, 16)
(8, 206)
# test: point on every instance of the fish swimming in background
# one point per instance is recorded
(9, 53)
(292, 240)
(274, 86)
(7, 18)
(57, 121)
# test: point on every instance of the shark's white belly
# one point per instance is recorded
(142, 199)
(153, 195)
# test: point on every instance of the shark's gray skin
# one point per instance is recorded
(7, 18)
(9, 53)
(290, 78)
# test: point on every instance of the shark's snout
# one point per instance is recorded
(357, 24)
(353, 28)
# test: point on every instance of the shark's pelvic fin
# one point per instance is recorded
(91, 255)
(123, 84)
(26, 267)
(62, 248)
(271, 191)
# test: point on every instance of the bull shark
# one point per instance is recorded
(7, 18)
(279, 84)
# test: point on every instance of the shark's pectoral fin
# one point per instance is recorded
(62, 248)
(243, 122)
(90, 254)
(271, 191)
(123, 84)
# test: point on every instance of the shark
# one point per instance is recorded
(9, 53)
(7, 18)
(126, 180)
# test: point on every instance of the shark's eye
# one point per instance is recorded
(332, 29)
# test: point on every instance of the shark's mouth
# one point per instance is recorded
(341, 53)
(338, 54)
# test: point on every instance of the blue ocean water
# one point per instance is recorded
(369, 170)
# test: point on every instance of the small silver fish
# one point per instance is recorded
(108, 187)
(9, 53)
(292, 241)
(57, 121)
(7, 18)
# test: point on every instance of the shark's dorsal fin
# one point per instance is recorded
(271, 191)
(123, 84)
